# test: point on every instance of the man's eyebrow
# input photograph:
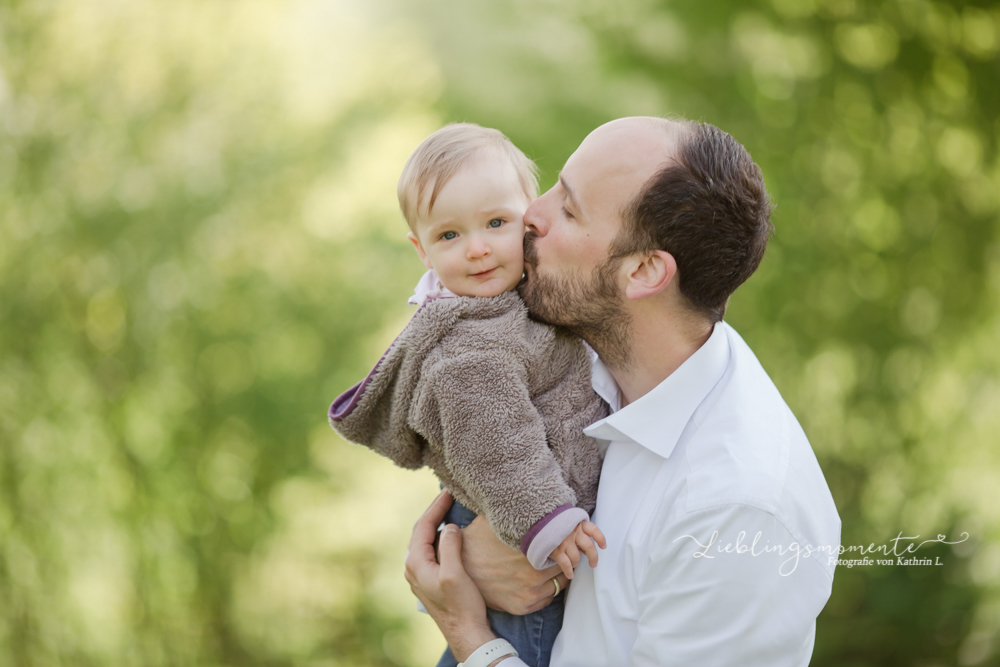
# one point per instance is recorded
(569, 193)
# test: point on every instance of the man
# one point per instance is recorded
(720, 525)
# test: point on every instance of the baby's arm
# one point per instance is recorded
(567, 554)
(497, 451)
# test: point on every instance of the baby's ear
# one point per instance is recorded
(420, 249)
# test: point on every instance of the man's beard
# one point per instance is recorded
(592, 309)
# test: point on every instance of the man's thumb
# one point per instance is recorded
(450, 547)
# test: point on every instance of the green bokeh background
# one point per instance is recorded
(200, 248)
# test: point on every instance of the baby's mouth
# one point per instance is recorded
(484, 274)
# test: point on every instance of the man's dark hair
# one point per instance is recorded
(709, 209)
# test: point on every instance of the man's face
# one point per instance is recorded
(571, 281)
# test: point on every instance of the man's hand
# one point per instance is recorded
(450, 596)
(503, 575)
(567, 554)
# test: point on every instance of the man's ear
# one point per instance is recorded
(420, 249)
(650, 275)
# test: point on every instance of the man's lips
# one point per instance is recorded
(484, 274)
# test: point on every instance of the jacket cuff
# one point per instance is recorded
(549, 533)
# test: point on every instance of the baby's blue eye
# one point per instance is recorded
(447, 236)
(495, 222)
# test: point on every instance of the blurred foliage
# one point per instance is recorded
(199, 248)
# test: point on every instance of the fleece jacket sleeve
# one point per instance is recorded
(495, 444)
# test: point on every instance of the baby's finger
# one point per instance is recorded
(595, 532)
(563, 561)
(574, 554)
(587, 546)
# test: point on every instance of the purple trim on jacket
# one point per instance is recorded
(344, 404)
(557, 526)
(537, 528)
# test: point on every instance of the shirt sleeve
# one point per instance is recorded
(753, 606)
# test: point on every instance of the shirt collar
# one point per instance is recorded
(602, 381)
(429, 287)
(657, 419)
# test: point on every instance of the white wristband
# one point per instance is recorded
(489, 652)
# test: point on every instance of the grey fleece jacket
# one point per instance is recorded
(495, 404)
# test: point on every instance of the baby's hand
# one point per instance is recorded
(567, 554)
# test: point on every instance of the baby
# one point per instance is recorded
(493, 402)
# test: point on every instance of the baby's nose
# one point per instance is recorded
(479, 249)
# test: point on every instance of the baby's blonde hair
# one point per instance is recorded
(440, 155)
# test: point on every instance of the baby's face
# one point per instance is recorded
(474, 236)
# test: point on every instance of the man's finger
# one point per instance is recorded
(547, 589)
(541, 604)
(450, 553)
(424, 530)
(437, 510)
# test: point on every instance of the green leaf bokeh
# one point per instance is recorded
(200, 247)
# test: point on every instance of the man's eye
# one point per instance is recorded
(495, 222)
(447, 236)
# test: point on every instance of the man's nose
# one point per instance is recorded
(535, 219)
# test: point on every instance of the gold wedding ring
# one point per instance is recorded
(555, 580)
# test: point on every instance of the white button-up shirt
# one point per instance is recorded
(722, 533)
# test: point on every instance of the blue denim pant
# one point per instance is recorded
(533, 634)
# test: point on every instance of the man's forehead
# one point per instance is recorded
(630, 146)
(621, 154)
